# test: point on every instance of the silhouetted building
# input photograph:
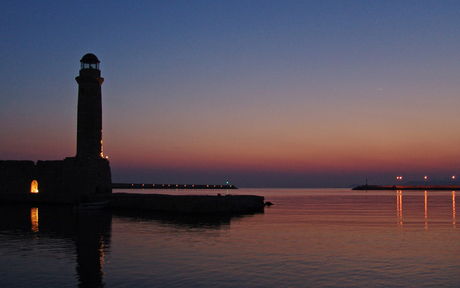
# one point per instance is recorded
(89, 119)
(85, 177)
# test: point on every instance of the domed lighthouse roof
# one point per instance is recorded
(90, 58)
(89, 61)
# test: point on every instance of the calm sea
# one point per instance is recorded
(309, 238)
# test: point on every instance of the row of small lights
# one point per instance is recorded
(426, 177)
(153, 185)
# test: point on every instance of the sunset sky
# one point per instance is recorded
(257, 93)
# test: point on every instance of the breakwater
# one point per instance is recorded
(407, 187)
(170, 186)
(164, 203)
(189, 204)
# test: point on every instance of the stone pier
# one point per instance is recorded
(192, 204)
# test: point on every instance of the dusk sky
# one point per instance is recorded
(257, 93)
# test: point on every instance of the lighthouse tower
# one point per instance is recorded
(87, 176)
(83, 178)
(89, 115)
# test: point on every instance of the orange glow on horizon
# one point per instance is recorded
(280, 152)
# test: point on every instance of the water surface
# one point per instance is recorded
(309, 238)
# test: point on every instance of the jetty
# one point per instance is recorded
(188, 204)
(164, 203)
(170, 186)
(407, 187)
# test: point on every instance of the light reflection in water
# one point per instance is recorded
(323, 238)
(34, 219)
(453, 209)
(399, 207)
(89, 231)
(426, 210)
(101, 252)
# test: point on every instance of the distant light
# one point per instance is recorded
(425, 177)
(227, 182)
(453, 177)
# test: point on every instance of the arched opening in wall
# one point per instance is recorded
(34, 187)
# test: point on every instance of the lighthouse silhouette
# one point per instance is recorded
(88, 173)
(85, 177)
(74, 180)
(89, 119)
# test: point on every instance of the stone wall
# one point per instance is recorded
(66, 181)
(16, 176)
(90, 177)
(194, 204)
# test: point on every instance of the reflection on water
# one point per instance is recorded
(435, 194)
(92, 237)
(426, 210)
(179, 221)
(399, 207)
(34, 219)
(453, 209)
(89, 232)
(325, 238)
(63, 234)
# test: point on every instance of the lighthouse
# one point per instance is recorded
(88, 174)
(83, 178)
(89, 115)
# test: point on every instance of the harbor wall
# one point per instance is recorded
(196, 204)
(60, 181)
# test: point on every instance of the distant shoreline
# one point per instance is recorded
(407, 187)
(170, 186)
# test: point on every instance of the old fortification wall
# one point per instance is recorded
(64, 181)
(16, 176)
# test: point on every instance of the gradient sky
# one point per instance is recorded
(258, 93)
